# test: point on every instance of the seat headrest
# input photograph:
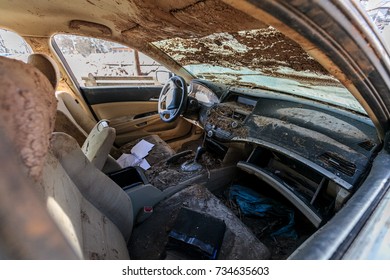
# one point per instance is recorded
(27, 112)
(47, 66)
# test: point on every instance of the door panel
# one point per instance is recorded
(100, 95)
(117, 110)
(167, 132)
(133, 120)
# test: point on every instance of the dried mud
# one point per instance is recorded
(264, 49)
(187, 19)
(301, 132)
(28, 112)
(163, 175)
(220, 117)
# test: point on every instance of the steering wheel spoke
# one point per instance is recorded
(166, 114)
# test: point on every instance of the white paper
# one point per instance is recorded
(126, 160)
(144, 164)
(142, 149)
(137, 156)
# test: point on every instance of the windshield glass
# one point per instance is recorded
(261, 58)
(13, 46)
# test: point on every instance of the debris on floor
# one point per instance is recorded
(252, 203)
(149, 239)
(137, 155)
(263, 227)
(163, 175)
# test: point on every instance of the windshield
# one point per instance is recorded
(261, 58)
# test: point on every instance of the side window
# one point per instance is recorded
(95, 62)
(13, 46)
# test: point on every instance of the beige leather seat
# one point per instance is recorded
(26, 229)
(94, 213)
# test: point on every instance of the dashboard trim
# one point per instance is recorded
(297, 157)
(284, 190)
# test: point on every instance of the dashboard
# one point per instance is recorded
(338, 143)
(299, 146)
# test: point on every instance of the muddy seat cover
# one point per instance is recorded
(27, 112)
(160, 151)
(149, 239)
(26, 121)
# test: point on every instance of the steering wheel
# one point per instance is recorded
(173, 99)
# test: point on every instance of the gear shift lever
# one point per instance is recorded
(199, 152)
(193, 165)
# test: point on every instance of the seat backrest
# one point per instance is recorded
(64, 119)
(93, 213)
(67, 103)
(65, 124)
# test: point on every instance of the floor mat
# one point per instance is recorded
(148, 239)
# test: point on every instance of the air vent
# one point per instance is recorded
(338, 163)
(367, 145)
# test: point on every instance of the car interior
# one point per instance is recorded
(235, 172)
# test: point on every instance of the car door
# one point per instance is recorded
(121, 85)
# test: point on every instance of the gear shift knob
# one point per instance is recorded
(193, 165)
(199, 152)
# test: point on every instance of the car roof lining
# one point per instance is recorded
(143, 21)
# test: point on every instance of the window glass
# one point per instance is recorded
(13, 46)
(96, 62)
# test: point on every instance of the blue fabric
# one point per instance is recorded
(252, 203)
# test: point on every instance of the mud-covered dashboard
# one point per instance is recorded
(337, 143)
(313, 154)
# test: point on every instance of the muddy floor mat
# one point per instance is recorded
(163, 175)
(148, 239)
